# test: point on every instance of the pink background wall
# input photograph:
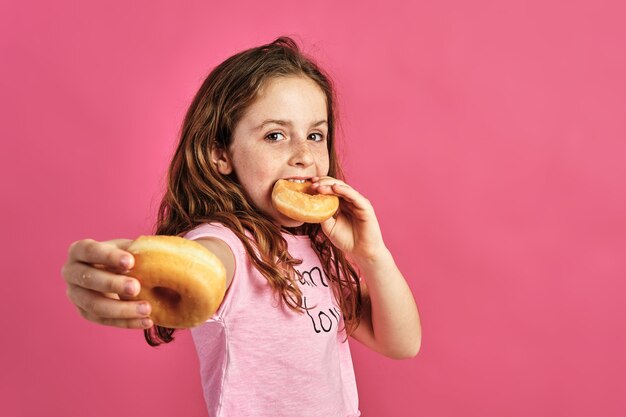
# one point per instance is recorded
(489, 135)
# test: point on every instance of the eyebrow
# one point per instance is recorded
(286, 123)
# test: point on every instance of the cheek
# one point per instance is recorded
(323, 161)
(253, 171)
(246, 163)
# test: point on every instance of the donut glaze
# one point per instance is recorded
(182, 280)
(300, 202)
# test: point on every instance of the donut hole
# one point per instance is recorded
(167, 296)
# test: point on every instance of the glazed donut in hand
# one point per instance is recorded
(182, 280)
(300, 202)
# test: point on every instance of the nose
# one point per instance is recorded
(301, 154)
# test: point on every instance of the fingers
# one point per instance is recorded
(145, 323)
(329, 185)
(326, 185)
(90, 277)
(98, 287)
(97, 307)
(109, 254)
(87, 289)
(317, 181)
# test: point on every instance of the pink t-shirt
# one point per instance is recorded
(259, 358)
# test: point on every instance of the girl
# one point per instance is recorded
(294, 290)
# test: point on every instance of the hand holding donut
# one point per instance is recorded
(355, 228)
(182, 282)
(97, 284)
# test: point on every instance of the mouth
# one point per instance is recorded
(298, 180)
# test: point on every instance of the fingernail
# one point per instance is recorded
(146, 323)
(125, 261)
(143, 309)
(131, 288)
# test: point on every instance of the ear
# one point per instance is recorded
(222, 161)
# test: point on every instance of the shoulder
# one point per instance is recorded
(209, 230)
(216, 231)
(223, 251)
(221, 241)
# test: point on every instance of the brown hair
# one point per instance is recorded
(197, 193)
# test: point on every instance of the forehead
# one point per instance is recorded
(297, 99)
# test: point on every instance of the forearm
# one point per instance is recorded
(392, 312)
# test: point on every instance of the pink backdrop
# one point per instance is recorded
(490, 137)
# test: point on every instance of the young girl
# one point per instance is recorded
(295, 291)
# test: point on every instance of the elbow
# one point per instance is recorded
(415, 349)
(407, 351)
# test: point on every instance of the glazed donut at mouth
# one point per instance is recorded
(298, 201)
(182, 280)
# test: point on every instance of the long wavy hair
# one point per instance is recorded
(197, 193)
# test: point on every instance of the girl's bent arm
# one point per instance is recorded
(390, 321)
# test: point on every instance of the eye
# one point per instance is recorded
(274, 136)
(317, 137)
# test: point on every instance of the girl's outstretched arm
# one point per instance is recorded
(390, 323)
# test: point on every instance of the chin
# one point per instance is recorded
(284, 221)
(289, 223)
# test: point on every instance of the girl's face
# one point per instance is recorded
(282, 135)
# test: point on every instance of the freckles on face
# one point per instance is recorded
(282, 134)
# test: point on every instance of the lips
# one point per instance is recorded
(298, 179)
